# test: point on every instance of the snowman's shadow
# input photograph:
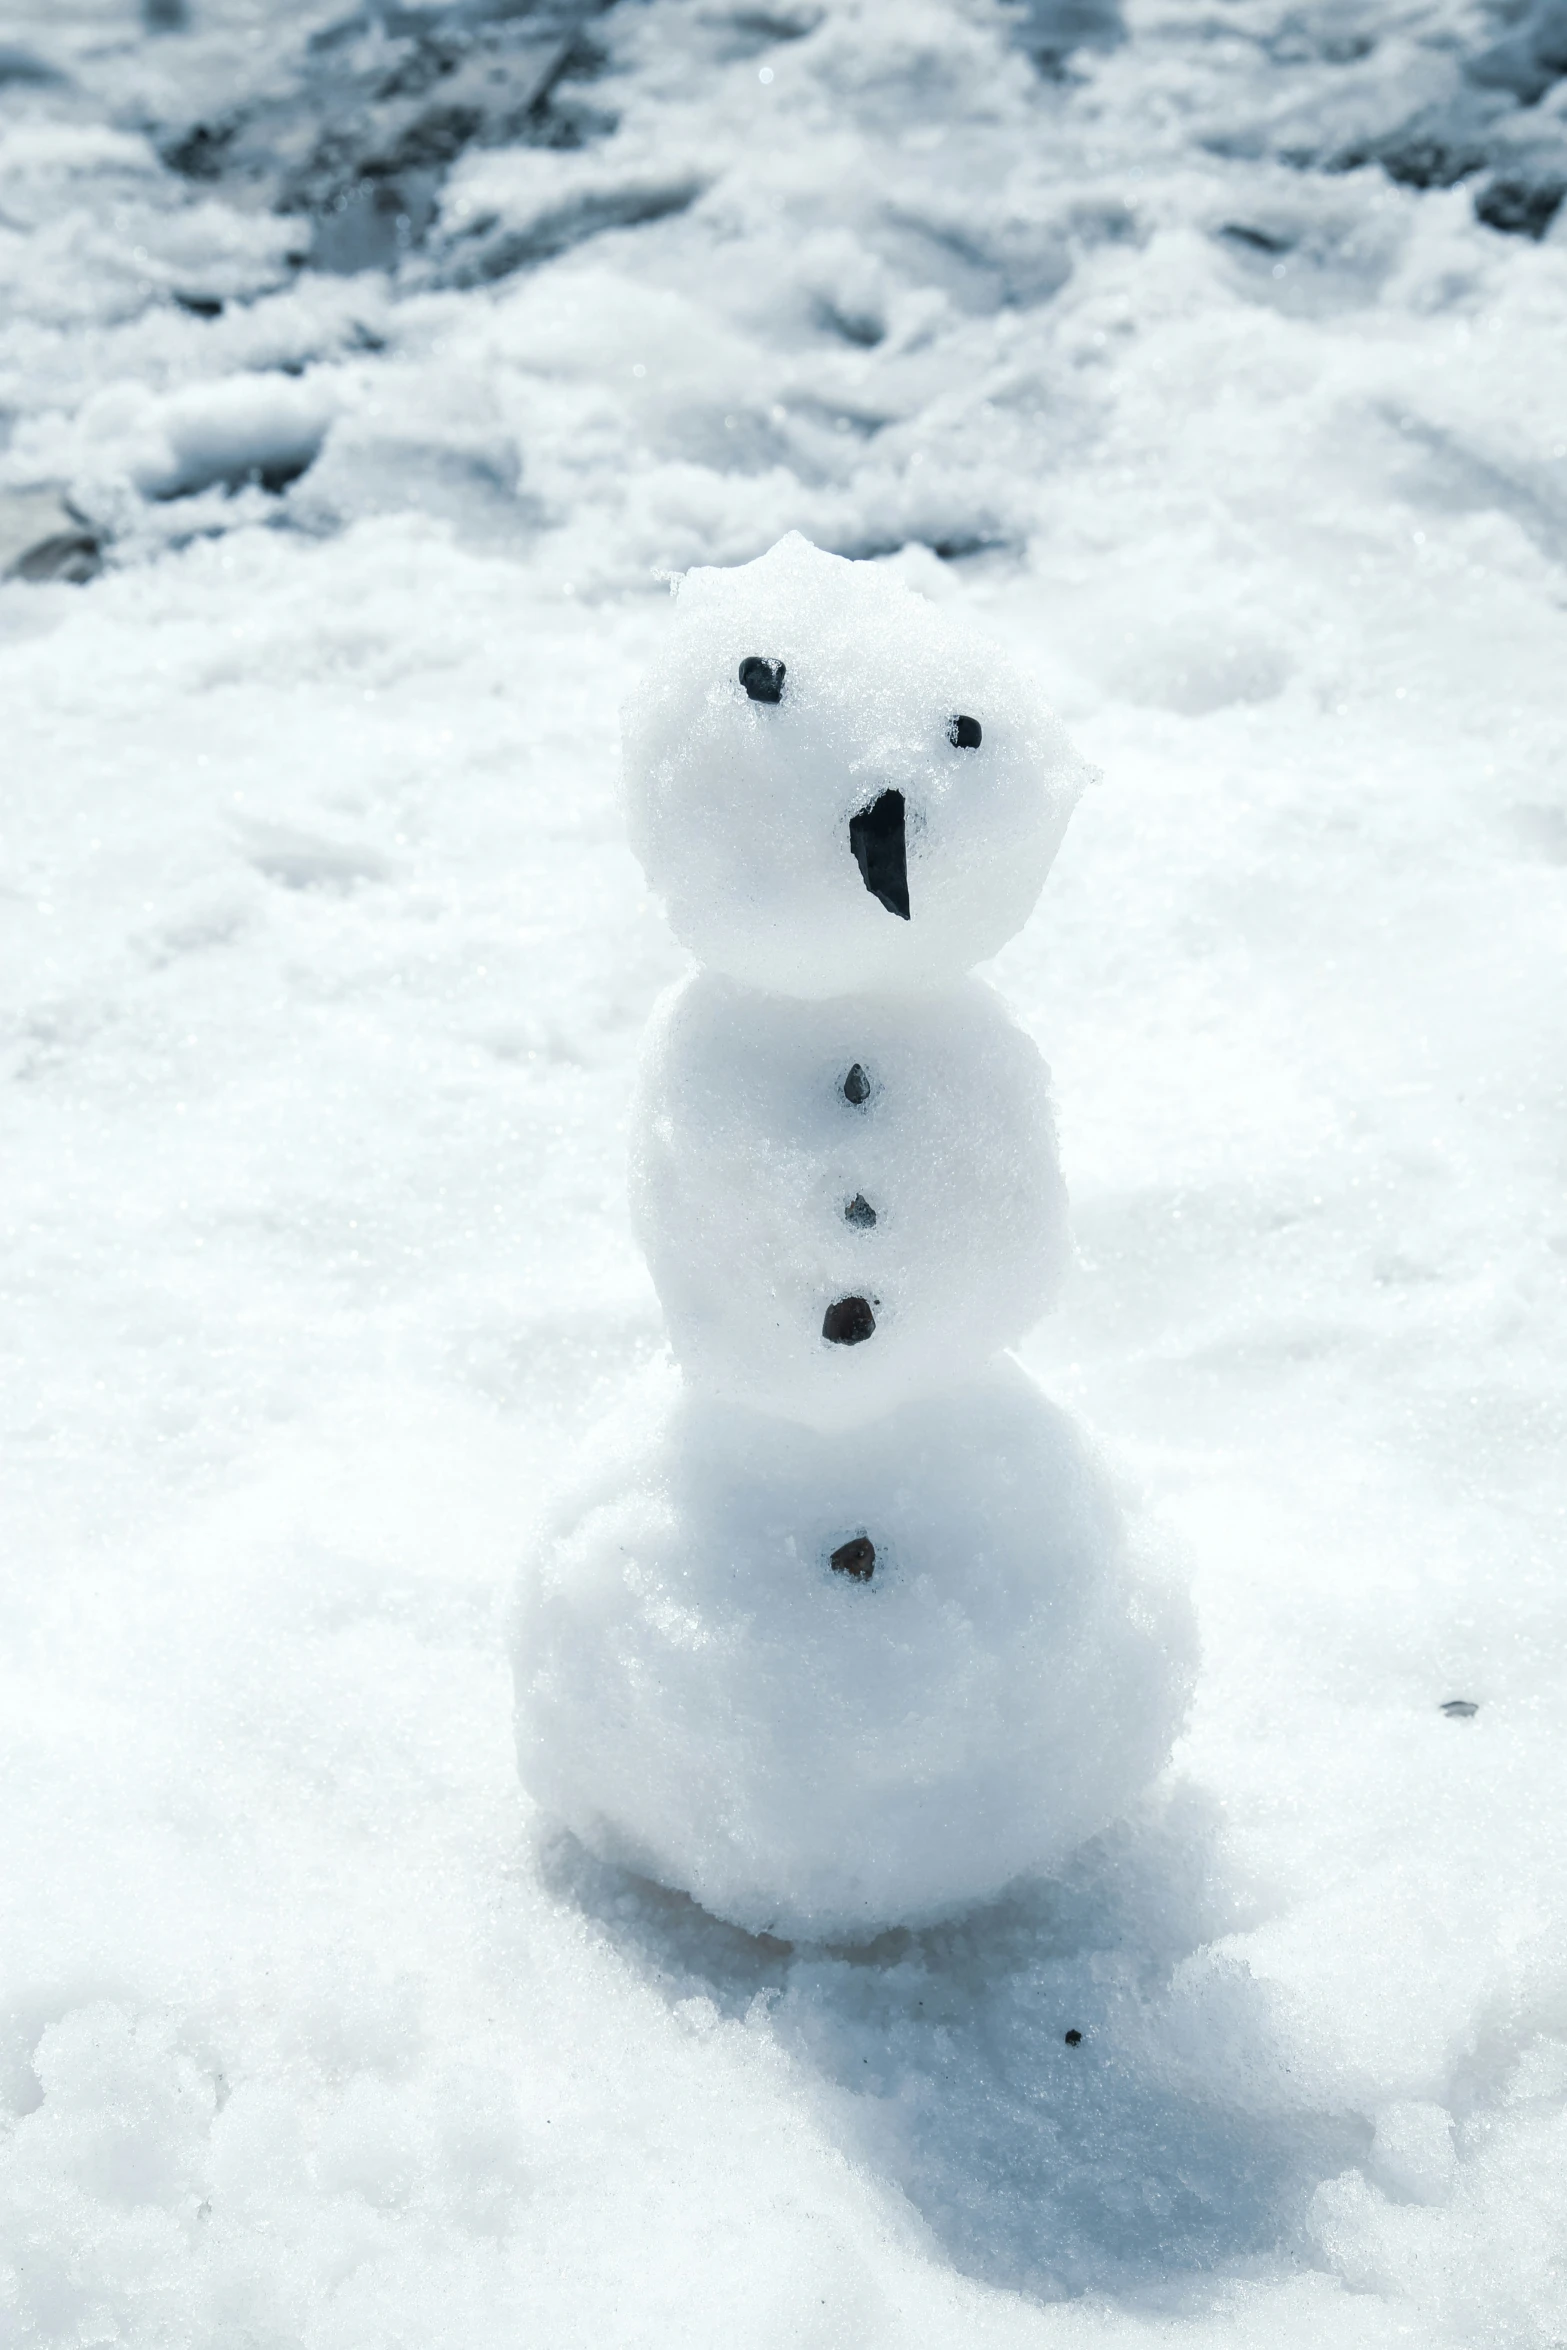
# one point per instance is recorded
(1168, 2141)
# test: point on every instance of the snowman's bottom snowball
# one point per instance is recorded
(702, 1698)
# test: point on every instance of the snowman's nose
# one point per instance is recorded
(762, 679)
(876, 835)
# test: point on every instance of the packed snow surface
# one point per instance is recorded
(1208, 358)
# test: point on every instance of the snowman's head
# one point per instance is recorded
(832, 786)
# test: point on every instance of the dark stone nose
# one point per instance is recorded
(762, 679)
(876, 835)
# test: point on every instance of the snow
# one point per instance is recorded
(325, 967)
(740, 808)
(703, 1699)
(761, 1192)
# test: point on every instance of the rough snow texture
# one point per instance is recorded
(741, 809)
(703, 1699)
(324, 968)
(761, 1192)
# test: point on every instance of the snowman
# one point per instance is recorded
(839, 1624)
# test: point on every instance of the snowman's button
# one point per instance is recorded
(848, 1321)
(762, 679)
(856, 1086)
(856, 1558)
(965, 734)
(876, 836)
(860, 1213)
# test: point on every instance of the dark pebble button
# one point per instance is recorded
(847, 1321)
(860, 1213)
(856, 1086)
(763, 680)
(856, 1558)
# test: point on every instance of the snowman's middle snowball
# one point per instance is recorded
(843, 1204)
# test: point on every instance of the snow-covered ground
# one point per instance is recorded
(1177, 346)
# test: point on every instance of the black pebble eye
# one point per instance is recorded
(860, 1213)
(856, 1558)
(763, 680)
(965, 734)
(856, 1086)
(848, 1321)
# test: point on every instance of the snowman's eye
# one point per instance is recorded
(856, 1086)
(762, 679)
(965, 734)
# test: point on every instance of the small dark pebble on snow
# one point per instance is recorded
(1459, 1709)
(1073, 2038)
(860, 1213)
(763, 680)
(856, 1086)
(856, 1558)
(847, 1321)
(965, 734)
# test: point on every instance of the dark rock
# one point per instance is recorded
(856, 1086)
(71, 556)
(856, 1558)
(860, 1213)
(383, 103)
(1426, 157)
(1074, 2038)
(1520, 207)
(200, 305)
(1529, 60)
(1052, 31)
(763, 679)
(876, 835)
(848, 1321)
(23, 70)
(965, 734)
(1256, 240)
(962, 543)
(1459, 1709)
(491, 251)
(859, 327)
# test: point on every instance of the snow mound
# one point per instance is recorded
(817, 1753)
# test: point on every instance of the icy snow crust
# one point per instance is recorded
(702, 1699)
(325, 967)
(747, 1157)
